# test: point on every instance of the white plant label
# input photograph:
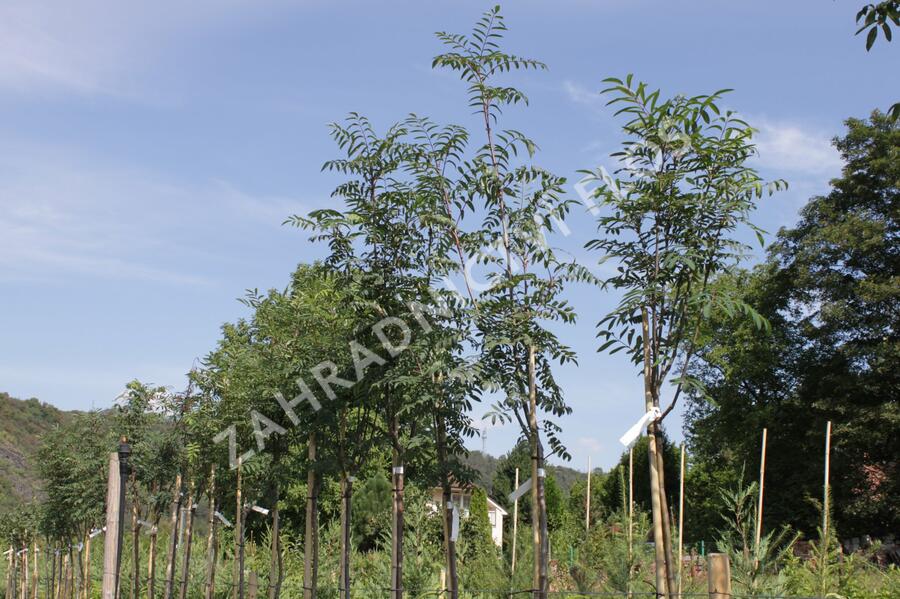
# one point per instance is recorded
(634, 433)
(520, 491)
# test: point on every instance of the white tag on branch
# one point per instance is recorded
(7, 552)
(223, 519)
(260, 510)
(542, 473)
(398, 469)
(520, 491)
(95, 532)
(634, 433)
(454, 521)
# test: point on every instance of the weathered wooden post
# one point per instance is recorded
(252, 585)
(515, 532)
(189, 537)
(680, 522)
(211, 544)
(115, 519)
(718, 576)
(587, 501)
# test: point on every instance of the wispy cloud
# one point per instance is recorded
(70, 216)
(96, 47)
(796, 149)
(581, 95)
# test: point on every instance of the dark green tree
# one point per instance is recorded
(829, 288)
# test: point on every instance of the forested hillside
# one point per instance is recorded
(22, 424)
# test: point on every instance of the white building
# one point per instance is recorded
(461, 497)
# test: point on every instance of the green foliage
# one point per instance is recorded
(829, 289)
(686, 187)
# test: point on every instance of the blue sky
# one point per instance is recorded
(150, 151)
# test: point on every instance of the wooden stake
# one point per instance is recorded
(113, 531)
(253, 585)
(587, 500)
(762, 484)
(719, 576)
(680, 521)
(826, 488)
(239, 535)
(36, 576)
(188, 540)
(211, 545)
(515, 534)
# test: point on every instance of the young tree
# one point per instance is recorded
(683, 189)
(519, 203)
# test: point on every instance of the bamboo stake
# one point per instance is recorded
(239, 535)
(211, 545)
(587, 500)
(36, 576)
(515, 524)
(681, 521)
(188, 540)
(762, 484)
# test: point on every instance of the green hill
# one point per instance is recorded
(22, 423)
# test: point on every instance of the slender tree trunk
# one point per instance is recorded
(86, 589)
(311, 537)
(346, 505)
(656, 507)
(447, 511)
(188, 541)
(667, 518)
(449, 543)
(239, 536)
(397, 510)
(538, 503)
(276, 573)
(135, 543)
(51, 580)
(26, 574)
(172, 556)
(211, 542)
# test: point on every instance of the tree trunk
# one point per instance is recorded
(135, 543)
(276, 573)
(538, 503)
(659, 536)
(346, 505)
(173, 542)
(188, 540)
(51, 581)
(211, 543)
(449, 543)
(666, 517)
(446, 507)
(311, 538)
(239, 537)
(397, 525)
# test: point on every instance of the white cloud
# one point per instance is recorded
(590, 444)
(579, 94)
(791, 148)
(99, 46)
(68, 216)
